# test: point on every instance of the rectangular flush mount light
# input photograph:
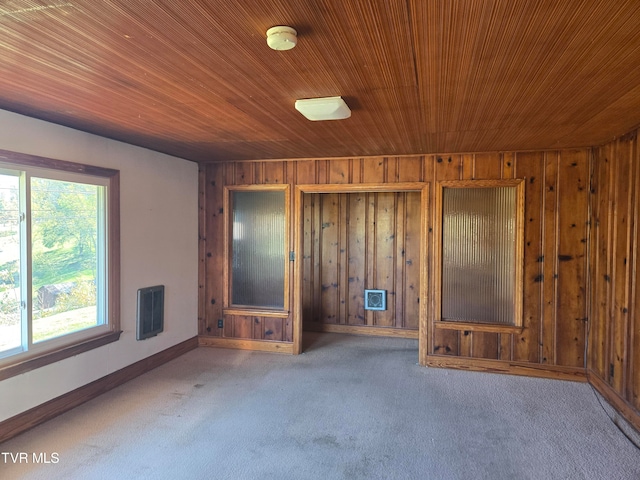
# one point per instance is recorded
(327, 108)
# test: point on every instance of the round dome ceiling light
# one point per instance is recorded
(282, 38)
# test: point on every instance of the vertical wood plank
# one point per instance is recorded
(258, 172)
(202, 249)
(229, 173)
(370, 249)
(329, 244)
(393, 170)
(322, 171)
(573, 175)
(488, 166)
(411, 261)
(374, 170)
(308, 264)
(384, 278)
(339, 171)
(317, 258)
(342, 251)
(399, 287)
(215, 248)
(357, 170)
(530, 166)
(258, 328)
(410, 169)
(601, 277)
(485, 345)
(242, 325)
(356, 248)
(594, 245)
(273, 329)
(549, 276)
(509, 165)
(633, 387)
(274, 172)
(244, 172)
(306, 172)
(468, 166)
(620, 273)
(228, 330)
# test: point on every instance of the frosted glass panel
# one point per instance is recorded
(478, 254)
(258, 248)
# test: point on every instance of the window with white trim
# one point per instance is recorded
(56, 278)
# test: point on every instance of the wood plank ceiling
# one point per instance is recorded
(195, 78)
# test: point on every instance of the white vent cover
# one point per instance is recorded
(375, 299)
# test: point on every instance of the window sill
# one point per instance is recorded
(55, 356)
(478, 327)
(255, 312)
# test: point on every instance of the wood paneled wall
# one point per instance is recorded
(614, 337)
(555, 258)
(555, 251)
(357, 241)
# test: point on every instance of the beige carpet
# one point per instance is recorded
(350, 407)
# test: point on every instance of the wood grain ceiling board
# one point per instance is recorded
(195, 78)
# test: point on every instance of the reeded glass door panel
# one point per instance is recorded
(65, 257)
(10, 324)
(479, 254)
(258, 248)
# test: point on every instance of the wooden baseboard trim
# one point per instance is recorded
(511, 368)
(358, 330)
(24, 421)
(246, 344)
(625, 409)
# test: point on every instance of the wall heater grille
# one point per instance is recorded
(150, 319)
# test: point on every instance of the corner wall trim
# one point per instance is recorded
(574, 374)
(246, 344)
(617, 402)
(24, 421)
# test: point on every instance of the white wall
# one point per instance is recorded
(159, 246)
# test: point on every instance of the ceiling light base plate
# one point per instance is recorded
(327, 108)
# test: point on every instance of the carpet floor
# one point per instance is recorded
(348, 408)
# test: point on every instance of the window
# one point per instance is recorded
(257, 247)
(58, 261)
(481, 252)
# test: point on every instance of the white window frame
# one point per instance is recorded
(30, 355)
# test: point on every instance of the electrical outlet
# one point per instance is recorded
(220, 323)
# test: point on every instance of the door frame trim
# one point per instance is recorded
(298, 222)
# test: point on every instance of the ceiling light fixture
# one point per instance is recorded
(327, 108)
(282, 38)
